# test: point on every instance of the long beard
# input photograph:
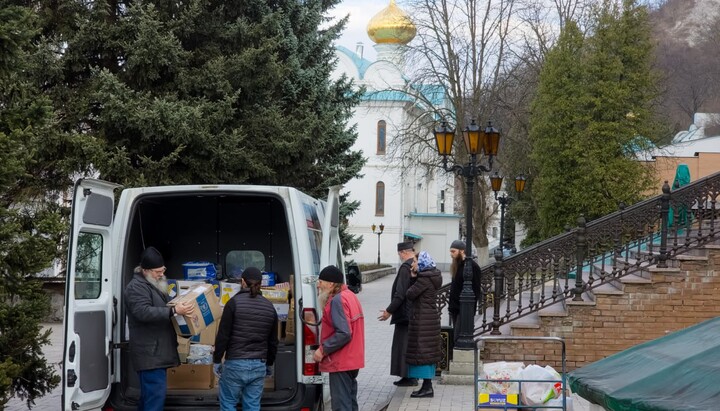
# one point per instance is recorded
(323, 297)
(161, 284)
(454, 264)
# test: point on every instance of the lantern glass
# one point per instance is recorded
(472, 136)
(520, 184)
(496, 182)
(444, 136)
(493, 140)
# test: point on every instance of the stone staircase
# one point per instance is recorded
(610, 318)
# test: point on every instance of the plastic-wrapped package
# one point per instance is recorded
(200, 354)
(501, 370)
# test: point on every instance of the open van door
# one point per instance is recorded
(331, 230)
(89, 300)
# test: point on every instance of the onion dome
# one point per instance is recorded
(391, 26)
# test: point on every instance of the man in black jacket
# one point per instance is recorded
(247, 337)
(398, 309)
(457, 267)
(153, 342)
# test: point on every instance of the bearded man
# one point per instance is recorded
(153, 342)
(342, 338)
(457, 268)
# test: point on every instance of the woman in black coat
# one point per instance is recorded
(423, 351)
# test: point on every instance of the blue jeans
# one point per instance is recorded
(242, 378)
(153, 386)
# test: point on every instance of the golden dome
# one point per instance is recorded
(391, 25)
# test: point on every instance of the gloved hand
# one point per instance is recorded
(268, 370)
(217, 369)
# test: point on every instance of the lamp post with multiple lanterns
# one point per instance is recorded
(379, 232)
(496, 181)
(478, 142)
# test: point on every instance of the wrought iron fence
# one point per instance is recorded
(592, 254)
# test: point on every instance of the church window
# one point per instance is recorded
(381, 136)
(380, 199)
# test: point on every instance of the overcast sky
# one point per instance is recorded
(360, 11)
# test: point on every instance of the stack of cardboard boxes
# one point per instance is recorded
(197, 332)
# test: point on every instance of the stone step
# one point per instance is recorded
(453, 379)
(461, 368)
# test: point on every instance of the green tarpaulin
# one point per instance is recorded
(680, 371)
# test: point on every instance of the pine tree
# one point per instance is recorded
(595, 99)
(31, 219)
(210, 92)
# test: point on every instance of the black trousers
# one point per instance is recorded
(398, 359)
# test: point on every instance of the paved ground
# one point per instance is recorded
(375, 389)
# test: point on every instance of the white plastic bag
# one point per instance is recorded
(500, 371)
(539, 393)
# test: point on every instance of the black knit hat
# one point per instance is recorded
(458, 245)
(252, 274)
(332, 274)
(407, 245)
(151, 258)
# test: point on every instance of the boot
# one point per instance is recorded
(406, 382)
(426, 391)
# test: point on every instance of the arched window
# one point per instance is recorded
(380, 199)
(381, 133)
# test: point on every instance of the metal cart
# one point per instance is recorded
(504, 404)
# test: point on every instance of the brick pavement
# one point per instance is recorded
(375, 389)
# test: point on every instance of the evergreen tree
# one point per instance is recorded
(350, 242)
(209, 92)
(593, 102)
(37, 163)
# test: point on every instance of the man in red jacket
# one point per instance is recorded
(342, 338)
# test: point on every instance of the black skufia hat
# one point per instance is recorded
(331, 274)
(151, 258)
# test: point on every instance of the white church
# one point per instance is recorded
(410, 202)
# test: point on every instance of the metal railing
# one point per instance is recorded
(593, 254)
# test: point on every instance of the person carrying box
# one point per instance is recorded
(153, 342)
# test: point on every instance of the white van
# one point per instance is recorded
(289, 232)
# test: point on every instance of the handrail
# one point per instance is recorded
(600, 252)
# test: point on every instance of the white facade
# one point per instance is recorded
(418, 203)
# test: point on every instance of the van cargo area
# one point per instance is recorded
(232, 231)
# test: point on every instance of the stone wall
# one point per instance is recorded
(372, 275)
(677, 298)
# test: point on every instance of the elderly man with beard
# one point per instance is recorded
(153, 342)
(457, 252)
(342, 338)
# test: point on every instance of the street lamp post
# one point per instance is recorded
(382, 228)
(477, 141)
(496, 184)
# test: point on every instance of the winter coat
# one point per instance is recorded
(153, 341)
(342, 333)
(248, 329)
(424, 328)
(457, 285)
(398, 305)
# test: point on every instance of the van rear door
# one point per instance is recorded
(89, 315)
(331, 230)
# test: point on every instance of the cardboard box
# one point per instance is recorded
(191, 377)
(269, 384)
(199, 270)
(290, 325)
(206, 336)
(227, 291)
(179, 287)
(493, 401)
(282, 311)
(183, 348)
(207, 310)
(268, 280)
(276, 296)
